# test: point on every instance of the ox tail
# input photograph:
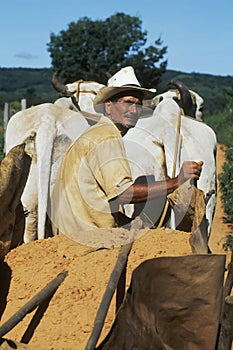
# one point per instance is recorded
(44, 145)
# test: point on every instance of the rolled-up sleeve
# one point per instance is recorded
(111, 167)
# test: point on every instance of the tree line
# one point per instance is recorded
(35, 85)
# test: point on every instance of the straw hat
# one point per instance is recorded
(124, 80)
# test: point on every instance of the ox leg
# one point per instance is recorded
(47, 131)
(210, 210)
(30, 204)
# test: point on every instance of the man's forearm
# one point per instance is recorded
(138, 193)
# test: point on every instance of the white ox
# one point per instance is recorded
(52, 127)
(196, 141)
(197, 100)
(82, 92)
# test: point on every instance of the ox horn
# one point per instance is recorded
(185, 101)
(58, 86)
(108, 75)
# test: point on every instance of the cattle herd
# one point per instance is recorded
(171, 132)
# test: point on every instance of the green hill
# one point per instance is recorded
(29, 83)
(211, 87)
(35, 86)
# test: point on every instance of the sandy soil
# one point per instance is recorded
(68, 320)
(220, 228)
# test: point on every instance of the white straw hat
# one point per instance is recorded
(124, 80)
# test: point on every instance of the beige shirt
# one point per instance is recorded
(94, 171)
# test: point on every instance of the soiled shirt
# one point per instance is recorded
(93, 172)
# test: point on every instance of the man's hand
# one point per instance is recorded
(190, 170)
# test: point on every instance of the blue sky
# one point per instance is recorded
(198, 33)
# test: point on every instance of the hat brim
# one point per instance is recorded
(107, 92)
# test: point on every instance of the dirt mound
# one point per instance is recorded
(68, 321)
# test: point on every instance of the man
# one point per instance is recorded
(95, 177)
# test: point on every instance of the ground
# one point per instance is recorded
(220, 228)
(68, 320)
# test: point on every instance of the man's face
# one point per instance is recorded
(124, 112)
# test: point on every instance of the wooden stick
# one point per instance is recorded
(136, 224)
(117, 272)
(120, 291)
(33, 303)
(106, 300)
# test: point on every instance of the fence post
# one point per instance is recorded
(23, 104)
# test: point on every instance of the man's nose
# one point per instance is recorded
(133, 108)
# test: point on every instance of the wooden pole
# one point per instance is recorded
(33, 303)
(120, 292)
(136, 224)
(117, 273)
(106, 300)
(23, 104)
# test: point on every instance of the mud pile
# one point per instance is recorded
(68, 320)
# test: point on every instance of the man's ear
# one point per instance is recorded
(108, 107)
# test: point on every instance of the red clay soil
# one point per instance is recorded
(68, 321)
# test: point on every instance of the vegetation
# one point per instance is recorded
(18, 83)
(226, 185)
(211, 87)
(30, 83)
(222, 124)
(90, 48)
(229, 243)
